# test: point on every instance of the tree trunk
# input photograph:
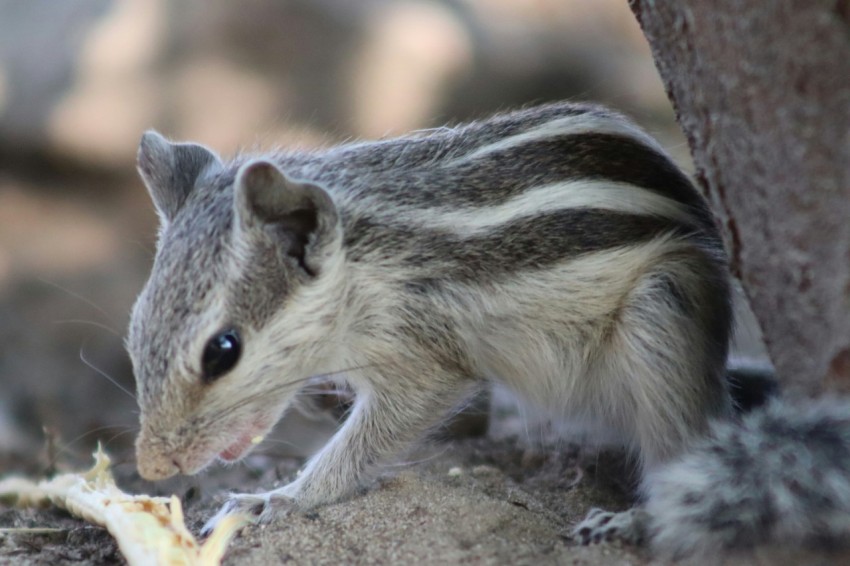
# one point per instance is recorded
(762, 91)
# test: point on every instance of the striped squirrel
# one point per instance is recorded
(557, 250)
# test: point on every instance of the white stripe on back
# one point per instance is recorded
(568, 125)
(606, 195)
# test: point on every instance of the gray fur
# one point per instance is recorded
(781, 478)
(171, 171)
(556, 249)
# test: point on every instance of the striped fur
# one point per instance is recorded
(556, 249)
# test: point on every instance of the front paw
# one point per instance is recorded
(262, 507)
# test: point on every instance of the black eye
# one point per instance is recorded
(220, 355)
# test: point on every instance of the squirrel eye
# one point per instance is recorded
(220, 355)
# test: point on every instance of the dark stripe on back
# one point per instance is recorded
(502, 174)
(514, 123)
(428, 147)
(525, 244)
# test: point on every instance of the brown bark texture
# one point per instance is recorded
(762, 90)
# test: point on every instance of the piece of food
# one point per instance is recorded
(149, 530)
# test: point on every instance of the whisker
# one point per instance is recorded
(277, 441)
(284, 386)
(67, 447)
(117, 435)
(144, 246)
(75, 295)
(90, 323)
(123, 461)
(314, 414)
(307, 391)
(105, 375)
(250, 400)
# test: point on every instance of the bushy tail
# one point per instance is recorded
(780, 478)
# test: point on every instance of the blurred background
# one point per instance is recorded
(80, 81)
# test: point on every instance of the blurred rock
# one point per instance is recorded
(82, 80)
(40, 43)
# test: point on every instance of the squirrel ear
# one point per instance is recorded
(170, 170)
(302, 212)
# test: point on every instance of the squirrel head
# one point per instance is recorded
(214, 335)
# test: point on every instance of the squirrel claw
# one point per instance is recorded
(603, 526)
(262, 506)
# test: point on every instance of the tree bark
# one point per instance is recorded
(762, 91)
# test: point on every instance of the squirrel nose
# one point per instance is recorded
(154, 471)
(153, 462)
(153, 468)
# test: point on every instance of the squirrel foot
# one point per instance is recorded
(263, 507)
(605, 526)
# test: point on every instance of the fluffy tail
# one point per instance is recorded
(780, 478)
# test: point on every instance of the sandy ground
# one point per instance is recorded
(472, 500)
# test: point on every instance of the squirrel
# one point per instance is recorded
(557, 250)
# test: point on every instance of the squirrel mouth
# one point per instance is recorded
(243, 443)
(237, 449)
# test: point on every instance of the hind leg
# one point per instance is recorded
(666, 356)
(605, 526)
(662, 371)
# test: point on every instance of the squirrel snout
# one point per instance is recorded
(156, 470)
(154, 463)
